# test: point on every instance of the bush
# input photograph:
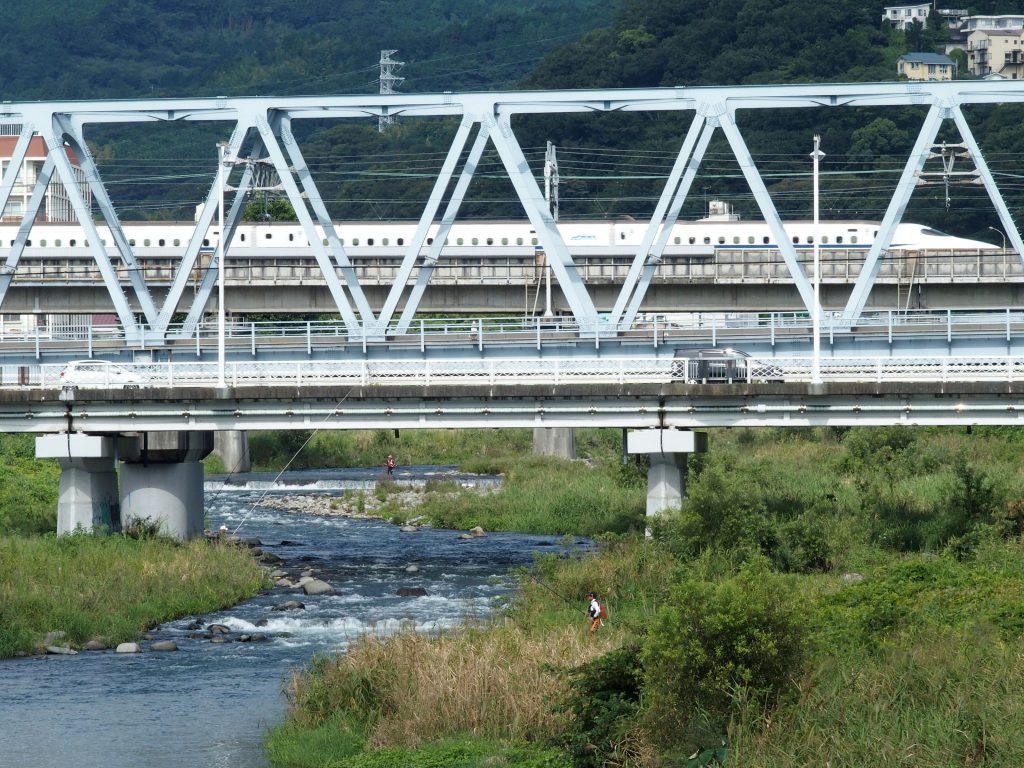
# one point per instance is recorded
(715, 644)
(604, 698)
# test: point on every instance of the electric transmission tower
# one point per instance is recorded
(388, 81)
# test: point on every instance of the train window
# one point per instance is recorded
(267, 236)
(853, 239)
(42, 243)
(533, 241)
(839, 239)
(750, 240)
(146, 243)
(102, 242)
(707, 241)
(430, 241)
(810, 239)
(693, 240)
(765, 240)
(161, 242)
(446, 241)
(57, 243)
(243, 238)
(735, 241)
(28, 244)
(355, 241)
(73, 243)
(291, 237)
(385, 241)
(132, 242)
(721, 240)
(401, 241)
(622, 236)
(504, 241)
(519, 241)
(678, 240)
(796, 240)
(824, 239)
(206, 242)
(369, 241)
(458, 241)
(177, 242)
(340, 241)
(476, 241)
(490, 241)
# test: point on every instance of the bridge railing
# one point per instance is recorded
(497, 336)
(548, 371)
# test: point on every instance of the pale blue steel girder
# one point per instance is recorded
(452, 210)
(644, 254)
(536, 207)
(35, 202)
(302, 211)
(231, 219)
(678, 199)
(498, 108)
(195, 243)
(893, 213)
(1009, 226)
(53, 135)
(282, 129)
(412, 252)
(768, 210)
(73, 136)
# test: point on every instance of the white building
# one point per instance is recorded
(996, 52)
(902, 16)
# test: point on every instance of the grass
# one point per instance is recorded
(496, 684)
(917, 664)
(544, 495)
(112, 588)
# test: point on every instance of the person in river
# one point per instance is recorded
(389, 465)
(594, 612)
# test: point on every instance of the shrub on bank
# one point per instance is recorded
(28, 487)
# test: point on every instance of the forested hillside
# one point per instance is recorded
(50, 49)
(610, 165)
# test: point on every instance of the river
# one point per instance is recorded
(210, 704)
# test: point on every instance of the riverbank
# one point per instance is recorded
(847, 597)
(109, 589)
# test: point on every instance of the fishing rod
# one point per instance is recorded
(556, 594)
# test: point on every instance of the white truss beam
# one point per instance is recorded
(272, 117)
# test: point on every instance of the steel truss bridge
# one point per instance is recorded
(262, 130)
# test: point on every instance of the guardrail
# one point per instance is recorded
(705, 329)
(529, 371)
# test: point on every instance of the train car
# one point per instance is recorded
(720, 230)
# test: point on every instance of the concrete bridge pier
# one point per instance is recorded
(232, 445)
(554, 441)
(162, 480)
(87, 492)
(667, 450)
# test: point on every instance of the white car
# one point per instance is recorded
(99, 374)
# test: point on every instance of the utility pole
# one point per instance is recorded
(551, 195)
(816, 155)
(388, 81)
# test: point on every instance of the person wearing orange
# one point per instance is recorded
(594, 612)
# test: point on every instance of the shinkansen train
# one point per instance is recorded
(720, 230)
